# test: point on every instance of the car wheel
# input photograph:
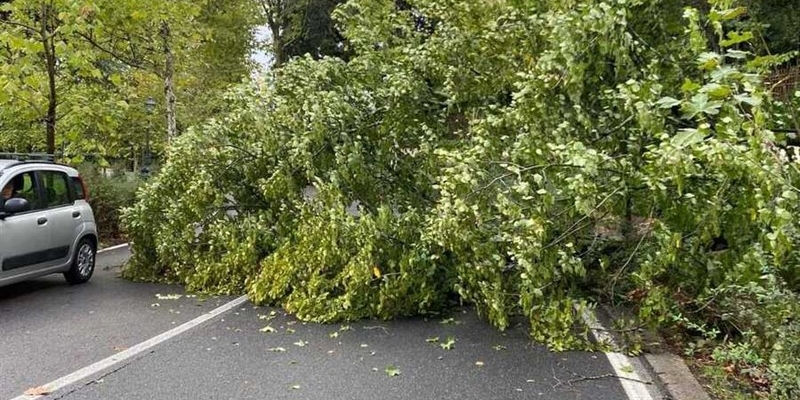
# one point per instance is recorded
(82, 266)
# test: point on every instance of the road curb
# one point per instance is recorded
(675, 377)
(670, 372)
(119, 246)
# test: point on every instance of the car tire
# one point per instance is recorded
(83, 261)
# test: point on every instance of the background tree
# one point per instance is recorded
(41, 61)
(110, 57)
(297, 28)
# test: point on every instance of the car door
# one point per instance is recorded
(25, 242)
(63, 216)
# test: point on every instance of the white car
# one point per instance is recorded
(46, 223)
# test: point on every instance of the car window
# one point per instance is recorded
(56, 188)
(77, 188)
(24, 186)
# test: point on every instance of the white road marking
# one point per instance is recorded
(119, 246)
(623, 365)
(101, 365)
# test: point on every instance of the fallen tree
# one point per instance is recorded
(530, 158)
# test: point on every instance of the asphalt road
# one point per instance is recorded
(49, 329)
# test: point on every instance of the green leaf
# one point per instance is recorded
(708, 60)
(449, 343)
(689, 86)
(735, 38)
(627, 369)
(700, 104)
(727, 15)
(686, 138)
(392, 371)
(716, 91)
(667, 102)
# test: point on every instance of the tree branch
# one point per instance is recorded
(21, 25)
(125, 60)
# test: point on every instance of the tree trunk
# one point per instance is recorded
(50, 61)
(277, 44)
(169, 84)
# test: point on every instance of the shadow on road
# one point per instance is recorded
(30, 287)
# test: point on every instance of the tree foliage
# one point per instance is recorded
(529, 157)
(107, 58)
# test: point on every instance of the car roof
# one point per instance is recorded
(5, 164)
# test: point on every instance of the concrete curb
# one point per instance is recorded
(675, 377)
(670, 372)
(119, 246)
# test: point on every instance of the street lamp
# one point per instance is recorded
(149, 106)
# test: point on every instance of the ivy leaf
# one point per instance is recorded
(392, 371)
(700, 104)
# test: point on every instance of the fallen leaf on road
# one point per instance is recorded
(300, 343)
(296, 387)
(627, 369)
(168, 296)
(37, 391)
(276, 349)
(392, 371)
(479, 363)
(432, 339)
(449, 343)
(267, 329)
(499, 347)
(120, 348)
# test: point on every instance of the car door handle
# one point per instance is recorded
(76, 214)
(41, 221)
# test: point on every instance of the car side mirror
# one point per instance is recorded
(16, 205)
